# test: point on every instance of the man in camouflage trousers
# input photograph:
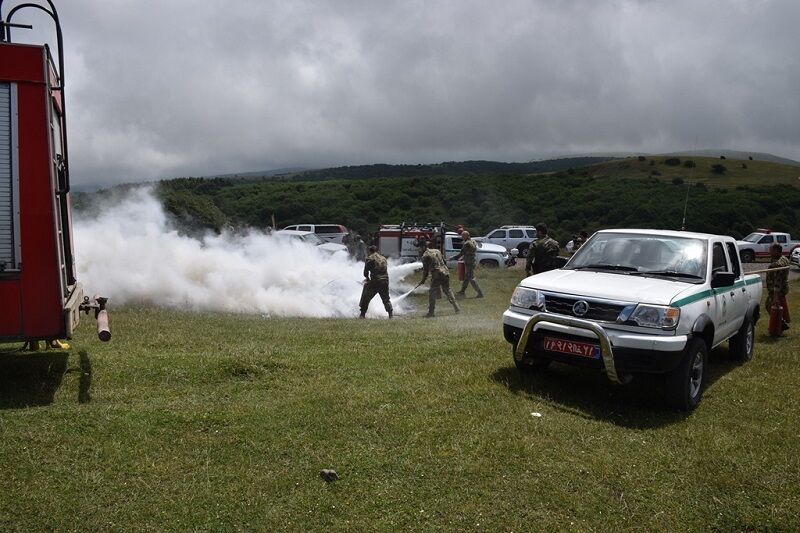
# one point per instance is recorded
(778, 283)
(468, 249)
(433, 264)
(376, 281)
(542, 252)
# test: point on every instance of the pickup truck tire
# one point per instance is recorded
(530, 364)
(747, 256)
(489, 263)
(740, 346)
(522, 249)
(684, 385)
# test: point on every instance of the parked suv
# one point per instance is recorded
(329, 232)
(519, 237)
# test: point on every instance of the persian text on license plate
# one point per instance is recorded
(582, 349)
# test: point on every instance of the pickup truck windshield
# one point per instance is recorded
(656, 255)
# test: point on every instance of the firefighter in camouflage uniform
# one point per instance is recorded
(433, 264)
(468, 249)
(376, 281)
(777, 283)
(542, 253)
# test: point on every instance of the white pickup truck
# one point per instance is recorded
(757, 244)
(638, 301)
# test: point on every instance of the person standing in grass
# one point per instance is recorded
(376, 281)
(433, 264)
(542, 253)
(778, 283)
(468, 250)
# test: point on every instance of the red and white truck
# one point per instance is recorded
(757, 244)
(402, 241)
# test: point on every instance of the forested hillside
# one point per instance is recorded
(634, 192)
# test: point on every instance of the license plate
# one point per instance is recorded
(581, 349)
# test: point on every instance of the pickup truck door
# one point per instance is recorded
(497, 237)
(452, 247)
(783, 240)
(720, 296)
(762, 250)
(739, 297)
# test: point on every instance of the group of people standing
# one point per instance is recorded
(434, 264)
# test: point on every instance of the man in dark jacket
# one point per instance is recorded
(542, 253)
(468, 250)
(376, 281)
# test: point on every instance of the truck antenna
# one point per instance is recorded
(688, 185)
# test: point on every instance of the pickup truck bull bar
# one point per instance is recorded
(606, 352)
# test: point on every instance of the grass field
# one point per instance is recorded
(221, 422)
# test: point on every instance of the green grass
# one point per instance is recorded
(221, 422)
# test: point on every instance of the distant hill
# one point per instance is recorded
(737, 154)
(708, 152)
(449, 168)
(727, 196)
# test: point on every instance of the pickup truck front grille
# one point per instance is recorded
(561, 305)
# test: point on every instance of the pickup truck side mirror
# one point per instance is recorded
(722, 279)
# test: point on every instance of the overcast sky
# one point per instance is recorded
(164, 88)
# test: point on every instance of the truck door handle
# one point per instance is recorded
(743, 289)
(732, 294)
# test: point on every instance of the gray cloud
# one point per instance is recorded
(167, 88)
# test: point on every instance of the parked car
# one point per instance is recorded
(328, 232)
(510, 237)
(634, 301)
(757, 244)
(795, 257)
(311, 238)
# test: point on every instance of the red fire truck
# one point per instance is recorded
(40, 297)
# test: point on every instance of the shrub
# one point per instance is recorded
(677, 180)
(672, 161)
(655, 173)
(689, 163)
(642, 158)
(722, 157)
(744, 165)
(718, 169)
(652, 162)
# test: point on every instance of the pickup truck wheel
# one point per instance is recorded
(685, 384)
(489, 263)
(529, 364)
(740, 346)
(748, 256)
(522, 250)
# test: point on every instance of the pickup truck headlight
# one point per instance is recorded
(528, 298)
(656, 316)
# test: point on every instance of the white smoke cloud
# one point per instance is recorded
(130, 253)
